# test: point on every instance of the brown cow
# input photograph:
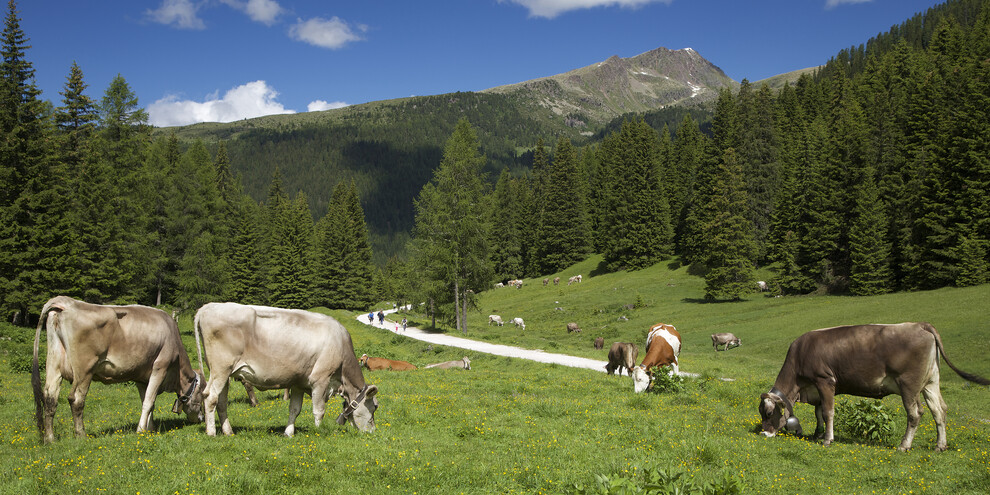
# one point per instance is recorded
(726, 340)
(866, 361)
(112, 344)
(573, 327)
(663, 346)
(621, 355)
(377, 363)
(556, 280)
(599, 343)
(464, 363)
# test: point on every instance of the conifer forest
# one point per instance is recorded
(869, 175)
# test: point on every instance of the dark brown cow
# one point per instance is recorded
(621, 355)
(377, 363)
(599, 343)
(112, 344)
(866, 361)
(663, 346)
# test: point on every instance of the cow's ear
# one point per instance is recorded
(121, 313)
(372, 390)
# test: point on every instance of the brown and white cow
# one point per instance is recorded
(573, 327)
(574, 280)
(726, 340)
(663, 346)
(621, 355)
(866, 361)
(111, 344)
(496, 319)
(274, 348)
(464, 363)
(382, 364)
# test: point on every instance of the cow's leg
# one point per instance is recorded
(53, 386)
(295, 406)
(819, 423)
(77, 401)
(933, 397)
(319, 395)
(826, 393)
(222, 404)
(912, 406)
(145, 423)
(215, 386)
(148, 397)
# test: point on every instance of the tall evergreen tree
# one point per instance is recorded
(564, 226)
(637, 216)
(291, 237)
(869, 244)
(451, 236)
(506, 219)
(730, 259)
(247, 257)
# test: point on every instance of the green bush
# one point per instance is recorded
(664, 381)
(865, 419)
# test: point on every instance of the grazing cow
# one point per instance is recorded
(499, 285)
(460, 363)
(546, 281)
(517, 283)
(574, 279)
(519, 323)
(496, 319)
(762, 286)
(112, 344)
(866, 361)
(271, 348)
(726, 340)
(599, 343)
(573, 327)
(663, 346)
(382, 364)
(621, 355)
(556, 281)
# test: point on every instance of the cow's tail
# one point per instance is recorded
(39, 399)
(941, 350)
(199, 348)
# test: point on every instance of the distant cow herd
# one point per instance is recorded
(139, 344)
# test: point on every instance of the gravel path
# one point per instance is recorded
(497, 349)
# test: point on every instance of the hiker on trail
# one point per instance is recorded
(404, 321)
(381, 317)
(371, 318)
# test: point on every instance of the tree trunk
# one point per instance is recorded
(457, 305)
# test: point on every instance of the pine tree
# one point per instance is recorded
(686, 157)
(536, 203)
(637, 216)
(506, 219)
(291, 238)
(868, 242)
(247, 256)
(451, 236)
(564, 228)
(729, 260)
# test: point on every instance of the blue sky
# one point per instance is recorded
(223, 60)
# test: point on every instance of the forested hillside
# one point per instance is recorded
(870, 175)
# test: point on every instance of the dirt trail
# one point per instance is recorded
(497, 349)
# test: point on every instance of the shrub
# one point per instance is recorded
(665, 381)
(865, 419)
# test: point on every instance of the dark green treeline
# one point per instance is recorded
(94, 208)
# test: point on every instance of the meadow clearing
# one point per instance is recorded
(511, 426)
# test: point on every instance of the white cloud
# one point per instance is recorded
(333, 33)
(831, 4)
(177, 13)
(552, 8)
(320, 105)
(263, 11)
(253, 99)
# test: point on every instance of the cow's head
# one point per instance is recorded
(360, 410)
(641, 379)
(191, 401)
(777, 415)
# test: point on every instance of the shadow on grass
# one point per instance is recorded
(161, 426)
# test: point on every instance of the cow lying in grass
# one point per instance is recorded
(378, 364)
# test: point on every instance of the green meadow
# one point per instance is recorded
(511, 426)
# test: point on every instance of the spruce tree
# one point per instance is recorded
(868, 242)
(564, 228)
(730, 234)
(291, 237)
(506, 219)
(248, 260)
(451, 236)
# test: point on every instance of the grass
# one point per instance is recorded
(510, 426)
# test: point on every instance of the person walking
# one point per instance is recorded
(404, 322)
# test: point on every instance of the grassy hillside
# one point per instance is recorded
(509, 426)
